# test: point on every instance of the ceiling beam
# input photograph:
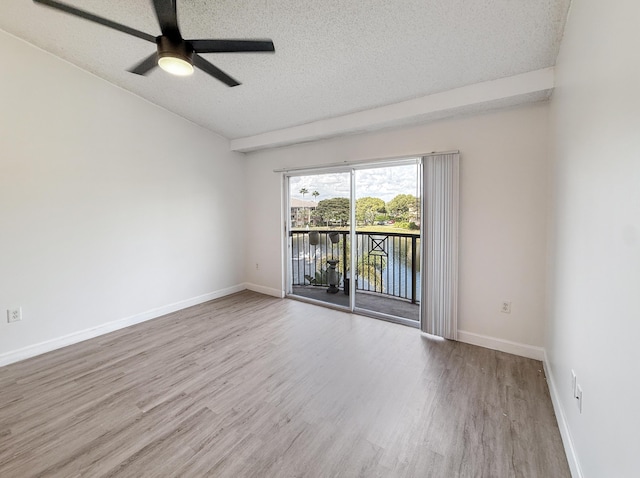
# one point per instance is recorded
(513, 90)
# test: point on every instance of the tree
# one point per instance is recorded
(403, 207)
(304, 191)
(331, 210)
(367, 208)
(315, 195)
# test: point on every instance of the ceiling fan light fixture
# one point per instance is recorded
(175, 57)
(175, 65)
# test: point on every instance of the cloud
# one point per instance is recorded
(384, 183)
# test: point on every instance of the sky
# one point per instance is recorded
(384, 183)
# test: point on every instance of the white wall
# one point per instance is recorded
(110, 207)
(503, 210)
(594, 305)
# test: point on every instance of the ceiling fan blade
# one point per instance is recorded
(96, 19)
(232, 46)
(167, 17)
(146, 65)
(214, 71)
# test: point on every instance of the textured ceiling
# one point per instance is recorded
(332, 57)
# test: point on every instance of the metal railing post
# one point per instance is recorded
(413, 270)
(344, 257)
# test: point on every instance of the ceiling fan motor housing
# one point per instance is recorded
(175, 49)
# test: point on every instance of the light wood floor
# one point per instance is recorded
(250, 385)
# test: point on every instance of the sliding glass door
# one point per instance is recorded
(387, 239)
(353, 239)
(319, 237)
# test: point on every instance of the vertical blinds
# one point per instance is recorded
(441, 209)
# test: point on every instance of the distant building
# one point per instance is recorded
(301, 212)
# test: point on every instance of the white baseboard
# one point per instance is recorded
(264, 290)
(59, 342)
(572, 458)
(524, 350)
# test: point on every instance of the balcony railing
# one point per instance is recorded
(387, 262)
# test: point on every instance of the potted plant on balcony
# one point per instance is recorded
(314, 238)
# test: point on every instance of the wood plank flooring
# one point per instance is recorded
(253, 386)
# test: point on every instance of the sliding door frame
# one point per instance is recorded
(350, 168)
(288, 246)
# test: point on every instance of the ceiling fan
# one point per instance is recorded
(174, 54)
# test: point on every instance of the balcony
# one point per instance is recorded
(387, 278)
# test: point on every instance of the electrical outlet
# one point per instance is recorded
(14, 315)
(574, 383)
(579, 397)
(257, 266)
(505, 307)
